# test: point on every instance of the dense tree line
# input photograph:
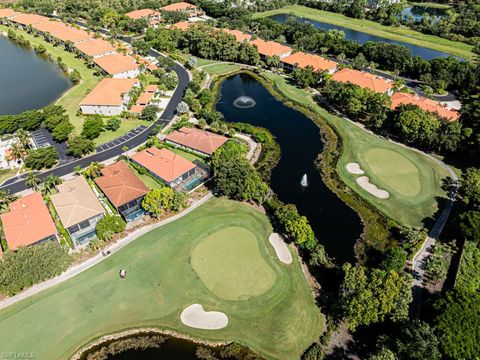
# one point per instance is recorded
(30, 265)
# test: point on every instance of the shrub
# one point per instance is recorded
(113, 124)
(92, 127)
(109, 225)
(41, 158)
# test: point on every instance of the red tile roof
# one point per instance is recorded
(109, 92)
(363, 79)
(425, 104)
(239, 35)
(120, 184)
(303, 60)
(271, 48)
(6, 13)
(27, 222)
(164, 163)
(116, 63)
(95, 47)
(29, 19)
(182, 25)
(142, 13)
(63, 32)
(200, 140)
(180, 6)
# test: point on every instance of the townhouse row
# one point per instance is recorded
(291, 60)
(79, 207)
(154, 17)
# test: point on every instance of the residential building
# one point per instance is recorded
(28, 222)
(426, 104)
(364, 80)
(124, 189)
(62, 32)
(147, 97)
(153, 17)
(78, 208)
(239, 35)
(190, 9)
(182, 25)
(165, 165)
(303, 60)
(110, 97)
(23, 20)
(6, 14)
(119, 66)
(95, 48)
(271, 48)
(196, 140)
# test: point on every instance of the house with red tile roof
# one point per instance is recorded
(271, 48)
(239, 35)
(24, 20)
(165, 165)
(124, 189)
(147, 97)
(95, 48)
(303, 60)
(110, 97)
(432, 106)
(190, 9)
(28, 222)
(182, 25)
(6, 14)
(196, 140)
(364, 80)
(62, 32)
(153, 17)
(119, 66)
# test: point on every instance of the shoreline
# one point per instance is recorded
(402, 34)
(105, 339)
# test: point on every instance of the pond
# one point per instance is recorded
(417, 12)
(27, 80)
(362, 37)
(336, 225)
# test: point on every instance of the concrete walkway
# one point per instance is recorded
(77, 269)
(254, 148)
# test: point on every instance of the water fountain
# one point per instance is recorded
(304, 181)
(244, 102)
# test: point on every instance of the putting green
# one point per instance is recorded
(393, 170)
(230, 265)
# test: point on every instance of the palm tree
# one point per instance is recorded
(94, 170)
(125, 149)
(5, 199)
(50, 182)
(78, 170)
(24, 138)
(32, 180)
(341, 57)
(18, 152)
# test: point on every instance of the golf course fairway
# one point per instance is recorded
(277, 317)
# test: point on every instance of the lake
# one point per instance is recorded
(27, 80)
(336, 225)
(417, 12)
(362, 37)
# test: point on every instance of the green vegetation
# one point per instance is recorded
(187, 155)
(108, 226)
(221, 69)
(370, 27)
(231, 249)
(6, 174)
(161, 282)
(468, 278)
(146, 178)
(31, 265)
(431, 5)
(407, 204)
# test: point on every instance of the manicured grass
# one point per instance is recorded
(431, 5)
(245, 273)
(203, 62)
(189, 156)
(412, 179)
(6, 174)
(400, 33)
(125, 126)
(220, 69)
(147, 180)
(161, 282)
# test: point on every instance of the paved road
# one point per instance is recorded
(77, 269)
(183, 80)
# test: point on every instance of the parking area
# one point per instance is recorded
(121, 139)
(39, 138)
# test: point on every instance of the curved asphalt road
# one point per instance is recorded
(18, 184)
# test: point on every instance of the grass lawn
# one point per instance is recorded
(125, 126)
(401, 33)
(148, 180)
(412, 179)
(220, 69)
(189, 156)
(280, 323)
(6, 174)
(431, 5)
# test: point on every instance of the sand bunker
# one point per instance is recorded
(365, 183)
(194, 316)
(281, 249)
(354, 168)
